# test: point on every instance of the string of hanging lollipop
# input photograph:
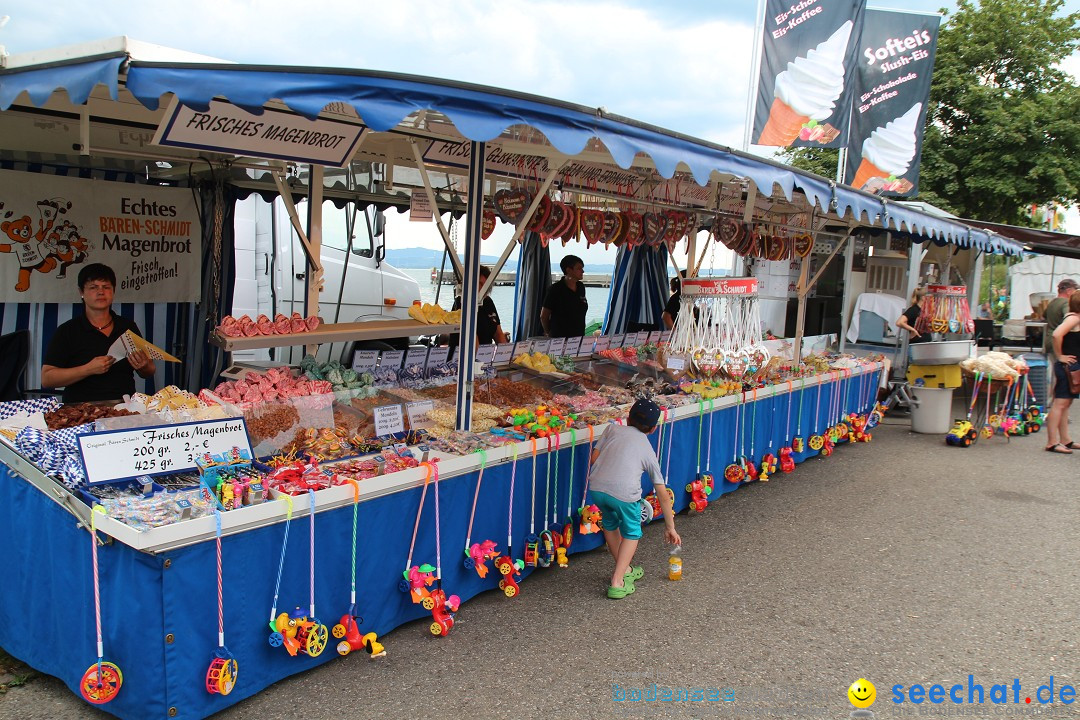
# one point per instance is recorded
(719, 327)
(945, 309)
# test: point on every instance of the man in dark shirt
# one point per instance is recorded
(671, 310)
(563, 314)
(488, 326)
(77, 358)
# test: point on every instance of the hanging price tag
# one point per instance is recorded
(389, 420)
(121, 454)
(675, 363)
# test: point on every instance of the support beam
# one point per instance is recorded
(519, 230)
(975, 281)
(314, 275)
(469, 296)
(805, 289)
(800, 314)
(458, 272)
(285, 192)
(849, 261)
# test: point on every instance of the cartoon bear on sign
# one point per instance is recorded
(31, 247)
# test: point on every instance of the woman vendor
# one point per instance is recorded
(911, 316)
(78, 359)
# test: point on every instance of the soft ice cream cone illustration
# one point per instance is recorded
(807, 90)
(889, 150)
(783, 126)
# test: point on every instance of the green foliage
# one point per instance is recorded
(1001, 126)
(1002, 131)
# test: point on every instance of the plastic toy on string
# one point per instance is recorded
(477, 554)
(347, 629)
(719, 327)
(101, 682)
(701, 487)
(223, 671)
(945, 310)
(298, 632)
(507, 566)
(963, 432)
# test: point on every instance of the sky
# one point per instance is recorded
(683, 64)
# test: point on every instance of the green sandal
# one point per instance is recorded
(635, 573)
(618, 593)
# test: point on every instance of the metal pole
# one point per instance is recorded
(314, 234)
(469, 295)
(755, 71)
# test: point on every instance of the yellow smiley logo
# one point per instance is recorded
(862, 693)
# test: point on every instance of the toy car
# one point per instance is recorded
(442, 611)
(787, 464)
(650, 506)
(700, 490)
(509, 569)
(348, 631)
(962, 434)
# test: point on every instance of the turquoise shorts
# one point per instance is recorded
(619, 515)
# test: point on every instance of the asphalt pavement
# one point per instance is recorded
(902, 561)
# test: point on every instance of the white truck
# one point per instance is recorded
(271, 278)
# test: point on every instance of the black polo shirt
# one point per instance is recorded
(672, 307)
(487, 320)
(568, 308)
(76, 343)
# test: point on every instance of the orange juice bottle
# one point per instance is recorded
(675, 564)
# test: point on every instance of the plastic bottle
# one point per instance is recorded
(675, 564)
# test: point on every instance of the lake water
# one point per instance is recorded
(503, 297)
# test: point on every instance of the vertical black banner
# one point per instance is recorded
(805, 85)
(892, 87)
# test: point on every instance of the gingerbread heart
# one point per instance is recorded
(540, 217)
(487, 224)
(774, 247)
(592, 224)
(635, 230)
(655, 227)
(573, 228)
(555, 219)
(614, 226)
(563, 228)
(729, 230)
(803, 244)
(511, 205)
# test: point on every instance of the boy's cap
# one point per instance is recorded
(645, 412)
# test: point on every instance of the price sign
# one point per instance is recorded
(438, 355)
(522, 346)
(485, 354)
(391, 358)
(603, 342)
(503, 353)
(388, 420)
(675, 363)
(542, 345)
(643, 338)
(557, 347)
(666, 336)
(365, 360)
(654, 336)
(417, 412)
(121, 454)
(573, 346)
(416, 356)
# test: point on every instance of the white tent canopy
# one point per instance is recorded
(1038, 274)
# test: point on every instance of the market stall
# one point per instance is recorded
(736, 411)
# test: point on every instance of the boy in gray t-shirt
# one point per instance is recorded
(621, 455)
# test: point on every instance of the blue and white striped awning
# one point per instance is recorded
(480, 113)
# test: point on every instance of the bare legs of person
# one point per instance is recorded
(623, 551)
(1057, 426)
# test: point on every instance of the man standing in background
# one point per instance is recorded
(1055, 314)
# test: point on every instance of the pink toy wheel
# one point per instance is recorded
(100, 690)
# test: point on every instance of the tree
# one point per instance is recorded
(1001, 132)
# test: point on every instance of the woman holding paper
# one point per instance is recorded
(78, 357)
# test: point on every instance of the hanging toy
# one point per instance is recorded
(507, 566)
(785, 450)
(768, 466)
(441, 606)
(702, 485)
(532, 540)
(223, 670)
(752, 473)
(589, 514)
(797, 443)
(816, 442)
(297, 631)
(568, 525)
(477, 554)
(546, 553)
(101, 682)
(735, 473)
(348, 628)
